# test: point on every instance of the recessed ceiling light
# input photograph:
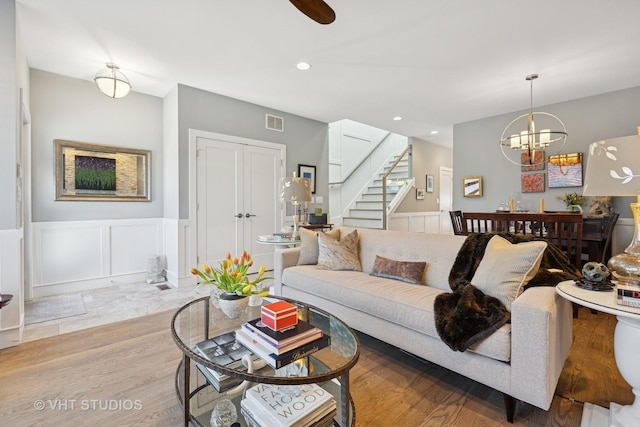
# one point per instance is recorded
(434, 132)
(304, 66)
(397, 118)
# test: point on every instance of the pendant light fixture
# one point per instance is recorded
(112, 82)
(530, 140)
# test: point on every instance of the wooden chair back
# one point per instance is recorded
(459, 226)
(561, 229)
(607, 232)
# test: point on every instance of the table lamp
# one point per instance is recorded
(295, 190)
(610, 172)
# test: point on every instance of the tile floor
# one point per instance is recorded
(116, 303)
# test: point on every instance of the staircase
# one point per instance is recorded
(367, 212)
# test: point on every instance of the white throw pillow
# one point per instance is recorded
(309, 247)
(505, 268)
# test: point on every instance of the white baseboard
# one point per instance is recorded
(12, 336)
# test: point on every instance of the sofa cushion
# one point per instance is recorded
(334, 254)
(505, 268)
(401, 303)
(406, 271)
(437, 250)
(309, 247)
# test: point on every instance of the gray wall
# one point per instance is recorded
(427, 159)
(306, 139)
(9, 87)
(476, 149)
(72, 109)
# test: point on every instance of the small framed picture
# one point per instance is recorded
(419, 193)
(429, 183)
(308, 172)
(472, 186)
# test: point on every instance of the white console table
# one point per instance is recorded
(626, 345)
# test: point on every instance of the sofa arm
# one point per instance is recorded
(541, 335)
(282, 259)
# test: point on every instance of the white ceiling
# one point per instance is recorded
(433, 62)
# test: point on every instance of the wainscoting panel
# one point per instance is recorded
(148, 241)
(69, 254)
(73, 256)
(418, 222)
(12, 315)
(180, 259)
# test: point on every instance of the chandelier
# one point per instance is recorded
(530, 140)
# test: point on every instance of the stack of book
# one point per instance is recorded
(628, 291)
(274, 237)
(279, 348)
(266, 405)
(226, 351)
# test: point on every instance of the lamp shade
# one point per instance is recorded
(112, 82)
(295, 190)
(613, 167)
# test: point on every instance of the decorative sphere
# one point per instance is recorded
(595, 272)
(224, 414)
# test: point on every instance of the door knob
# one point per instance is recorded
(239, 215)
(248, 215)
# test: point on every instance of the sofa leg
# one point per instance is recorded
(509, 406)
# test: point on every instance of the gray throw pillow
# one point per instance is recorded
(334, 254)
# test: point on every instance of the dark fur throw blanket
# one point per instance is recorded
(466, 315)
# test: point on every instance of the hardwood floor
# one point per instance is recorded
(122, 375)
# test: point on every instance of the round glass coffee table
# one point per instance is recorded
(200, 320)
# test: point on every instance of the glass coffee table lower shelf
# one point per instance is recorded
(329, 367)
(203, 399)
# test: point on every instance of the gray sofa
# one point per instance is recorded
(523, 359)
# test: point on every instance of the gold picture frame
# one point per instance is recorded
(93, 172)
(472, 186)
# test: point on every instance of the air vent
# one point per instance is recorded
(274, 123)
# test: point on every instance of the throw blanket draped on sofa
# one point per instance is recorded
(466, 315)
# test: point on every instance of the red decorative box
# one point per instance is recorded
(279, 315)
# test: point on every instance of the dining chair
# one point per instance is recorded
(564, 230)
(459, 225)
(607, 233)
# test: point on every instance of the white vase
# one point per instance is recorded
(232, 305)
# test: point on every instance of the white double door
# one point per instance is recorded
(237, 197)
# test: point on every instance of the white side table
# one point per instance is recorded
(279, 242)
(626, 345)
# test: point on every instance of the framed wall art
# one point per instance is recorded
(419, 193)
(429, 183)
(472, 186)
(533, 161)
(308, 172)
(92, 172)
(565, 170)
(532, 183)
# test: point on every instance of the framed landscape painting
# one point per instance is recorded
(93, 172)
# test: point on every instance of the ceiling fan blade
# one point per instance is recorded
(317, 10)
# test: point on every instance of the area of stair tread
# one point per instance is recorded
(360, 218)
